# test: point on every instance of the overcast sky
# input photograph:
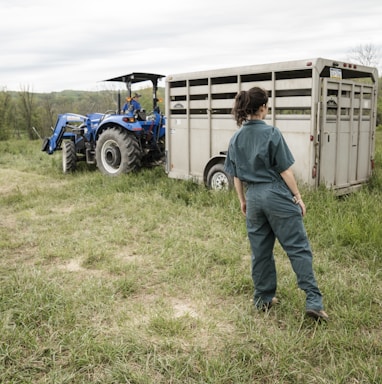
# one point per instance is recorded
(50, 45)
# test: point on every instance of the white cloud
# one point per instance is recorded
(51, 46)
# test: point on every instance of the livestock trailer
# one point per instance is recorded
(326, 110)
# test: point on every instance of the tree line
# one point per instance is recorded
(25, 114)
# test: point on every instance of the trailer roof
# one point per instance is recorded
(136, 77)
(320, 64)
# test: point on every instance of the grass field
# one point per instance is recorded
(143, 279)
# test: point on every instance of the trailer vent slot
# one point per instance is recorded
(224, 80)
(256, 77)
(197, 82)
(178, 84)
(299, 74)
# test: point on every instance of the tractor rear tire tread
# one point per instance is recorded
(118, 152)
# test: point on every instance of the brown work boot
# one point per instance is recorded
(317, 315)
(270, 304)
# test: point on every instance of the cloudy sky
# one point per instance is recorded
(50, 45)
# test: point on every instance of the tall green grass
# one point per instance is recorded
(144, 279)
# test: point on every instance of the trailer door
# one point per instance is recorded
(346, 134)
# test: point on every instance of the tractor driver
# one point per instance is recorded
(132, 104)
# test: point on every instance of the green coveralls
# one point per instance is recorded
(257, 154)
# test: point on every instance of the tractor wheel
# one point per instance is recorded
(218, 179)
(69, 157)
(117, 152)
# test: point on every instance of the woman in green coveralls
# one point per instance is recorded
(259, 157)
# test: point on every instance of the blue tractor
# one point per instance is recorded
(116, 142)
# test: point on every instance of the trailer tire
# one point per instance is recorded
(218, 179)
(69, 156)
(117, 152)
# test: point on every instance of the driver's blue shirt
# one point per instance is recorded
(134, 103)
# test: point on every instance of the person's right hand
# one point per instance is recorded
(243, 207)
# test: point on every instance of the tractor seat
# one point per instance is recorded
(141, 115)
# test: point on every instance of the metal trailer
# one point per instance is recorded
(325, 109)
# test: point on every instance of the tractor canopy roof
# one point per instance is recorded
(137, 77)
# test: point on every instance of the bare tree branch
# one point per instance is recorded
(365, 54)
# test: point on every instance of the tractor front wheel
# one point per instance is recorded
(69, 157)
(117, 152)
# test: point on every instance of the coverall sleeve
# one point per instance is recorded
(281, 156)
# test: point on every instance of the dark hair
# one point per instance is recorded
(248, 103)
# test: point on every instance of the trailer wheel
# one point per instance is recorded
(69, 157)
(117, 152)
(218, 179)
